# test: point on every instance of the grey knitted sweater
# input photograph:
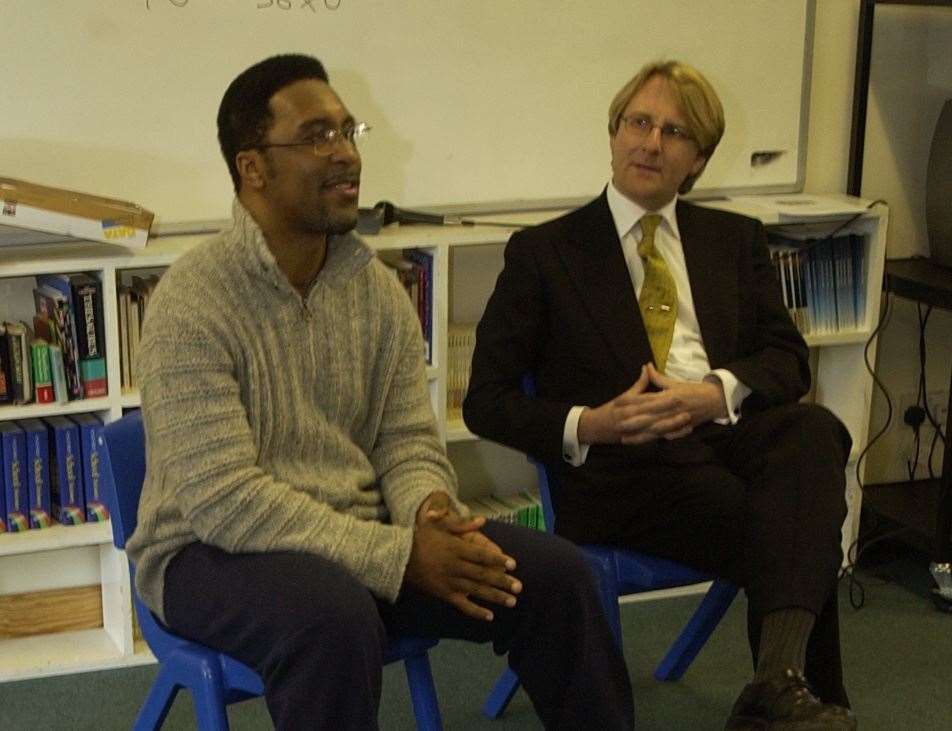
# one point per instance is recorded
(280, 424)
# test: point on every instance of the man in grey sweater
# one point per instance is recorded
(299, 506)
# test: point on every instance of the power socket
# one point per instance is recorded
(938, 407)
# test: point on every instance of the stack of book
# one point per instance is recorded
(522, 508)
(50, 472)
(823, 280)
(132, 301)
(413, 268)
(460, 344)
(61, 355)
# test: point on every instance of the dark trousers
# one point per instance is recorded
(761, 503)
(317, 636)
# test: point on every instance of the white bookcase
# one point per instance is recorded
(466, 263)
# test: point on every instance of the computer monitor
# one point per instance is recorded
(939, 190)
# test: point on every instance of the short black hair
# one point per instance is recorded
(244, 116)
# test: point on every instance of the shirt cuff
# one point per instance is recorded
(735, 392)
(573, 452)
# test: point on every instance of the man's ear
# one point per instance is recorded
(699, 165)
(251, 168)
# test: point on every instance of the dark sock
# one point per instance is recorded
(783, 641)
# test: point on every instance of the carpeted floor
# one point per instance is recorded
(897, 650)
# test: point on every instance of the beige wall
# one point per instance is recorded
(910, 79)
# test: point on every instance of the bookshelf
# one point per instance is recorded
(466, 262)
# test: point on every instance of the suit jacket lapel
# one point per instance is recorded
(595, 263)
(711, 261)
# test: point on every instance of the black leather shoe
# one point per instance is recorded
(786, 703)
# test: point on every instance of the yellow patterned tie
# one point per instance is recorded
(658, 300)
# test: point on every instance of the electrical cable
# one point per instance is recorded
(853, 553)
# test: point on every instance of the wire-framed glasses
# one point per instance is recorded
(640, 126)
(323, 142)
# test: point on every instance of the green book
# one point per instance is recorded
(42, 375)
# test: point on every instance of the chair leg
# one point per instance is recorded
(608, 591)
(693, 637)
(157, 703)
(501, 694)
(201, 673)
(426, 707)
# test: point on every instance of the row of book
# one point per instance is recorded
(414, 270)
(61, 355)
(132, 300)
(521, 508)
(461, 340)
(823, 281)
(50, 472)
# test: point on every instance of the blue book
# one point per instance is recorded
(16, 515)
(66, 478)
(89, 430)
(38, 472)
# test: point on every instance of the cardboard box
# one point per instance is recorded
(28, 212)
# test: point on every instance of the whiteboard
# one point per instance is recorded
(471, 103)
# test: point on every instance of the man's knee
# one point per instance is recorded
(557, 566)
(328, 601)
(819, 425)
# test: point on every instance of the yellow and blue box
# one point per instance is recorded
(16, 512)
(37, 472)
(66, 478)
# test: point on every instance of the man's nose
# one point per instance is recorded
(653, 140)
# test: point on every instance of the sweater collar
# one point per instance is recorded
(347, 254)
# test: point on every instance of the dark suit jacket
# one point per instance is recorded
(564, 309)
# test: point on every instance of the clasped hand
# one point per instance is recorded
(453, 561)
(639, 416)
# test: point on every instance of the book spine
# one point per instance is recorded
(66, 479)
(58, 374)
(89, 430)
(6, 372)
(42, 377)
(16, 365)
(87, 296)
(38, 473)
(424, 260)
(15, 482)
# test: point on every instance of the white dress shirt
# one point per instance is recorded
(687, 358)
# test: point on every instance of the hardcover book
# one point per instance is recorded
(6, 372)
(42, 376)
(37, 472)
(66, 481)
(19, 353)
(13, 463)
(424, 260)
(53, 305)
(89, 429)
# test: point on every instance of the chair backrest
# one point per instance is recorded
(124, 470)
(547, 481)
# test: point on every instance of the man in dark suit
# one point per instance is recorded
(668, 375)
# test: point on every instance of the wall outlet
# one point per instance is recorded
(938, 406)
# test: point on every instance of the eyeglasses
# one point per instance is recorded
(641, 127)
(324, 141)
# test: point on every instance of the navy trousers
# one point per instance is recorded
(317, 636)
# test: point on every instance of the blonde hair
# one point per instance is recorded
(704, 115)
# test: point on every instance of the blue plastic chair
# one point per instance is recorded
(214, 679)
(620, 573)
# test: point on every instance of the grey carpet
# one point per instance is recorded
(897, 650)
